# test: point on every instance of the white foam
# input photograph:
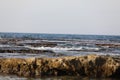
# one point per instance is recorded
(64, 48)
(5, 46)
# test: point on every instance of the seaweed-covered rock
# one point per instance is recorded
(91, 66)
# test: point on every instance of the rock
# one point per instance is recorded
(109, 45)
(45, 44)
(22, 42)
(90, 66)
(25, 51)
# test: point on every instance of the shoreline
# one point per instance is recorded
(88, 66)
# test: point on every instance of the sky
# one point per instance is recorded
(101, 17)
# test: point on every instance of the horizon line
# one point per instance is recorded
(60, 33)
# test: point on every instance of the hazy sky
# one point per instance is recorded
(60, 16)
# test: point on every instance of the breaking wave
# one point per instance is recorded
(66, 48)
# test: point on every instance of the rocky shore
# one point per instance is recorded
(30, 42)
(109, 45)
(88, 66)
(26, 51)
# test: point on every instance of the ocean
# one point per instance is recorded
(66, 44)
(56, 45)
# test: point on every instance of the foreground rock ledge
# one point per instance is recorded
(90, 66)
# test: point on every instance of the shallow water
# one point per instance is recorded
(53, 78)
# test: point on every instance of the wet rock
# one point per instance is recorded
(109, 45)
(9, 41)
(45, 44)
(90, 66)
(23, 42)
(24, 51)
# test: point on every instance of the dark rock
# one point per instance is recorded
(45, 44)
(25, 51)
(109, 45)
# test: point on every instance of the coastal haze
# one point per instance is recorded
(64, 16)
